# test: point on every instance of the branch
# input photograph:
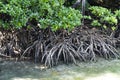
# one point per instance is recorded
(2, 55)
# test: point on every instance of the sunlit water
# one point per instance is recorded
(24, 70)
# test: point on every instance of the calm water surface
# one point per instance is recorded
(24, 70)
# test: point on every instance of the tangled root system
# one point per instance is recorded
(51, 48)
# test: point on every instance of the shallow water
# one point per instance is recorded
(24, 70)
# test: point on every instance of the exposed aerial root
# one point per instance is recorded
(51, 48)
(63, 51)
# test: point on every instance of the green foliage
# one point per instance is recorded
(64, 18)
(117, 13)
(104, 17)
(69, 3)
(95, 23)
(47, 13)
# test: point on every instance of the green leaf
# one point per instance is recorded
(113, 28)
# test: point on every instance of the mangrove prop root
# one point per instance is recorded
(51, 48)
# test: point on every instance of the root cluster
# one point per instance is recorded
(51, 48)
